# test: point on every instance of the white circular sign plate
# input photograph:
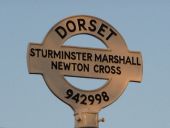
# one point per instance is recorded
(53, 60)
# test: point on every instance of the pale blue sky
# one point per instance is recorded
(25, 100)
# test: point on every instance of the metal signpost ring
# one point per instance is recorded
(53, 60)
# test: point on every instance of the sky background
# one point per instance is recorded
(25, 100)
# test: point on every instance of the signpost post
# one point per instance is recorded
(53, 60)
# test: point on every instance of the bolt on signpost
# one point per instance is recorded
(53, 60)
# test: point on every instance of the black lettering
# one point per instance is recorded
(38, 52)
(133, 61)
(84, 56)
(81, 24)
(113, 70)
(104, 58)
(44, 53)
(122, 58)
(95, 68)
(91, 98)
(60, 64)
(101, 68)
(79, 67)
(112, 33)
(66, 55)
(84, 97)
(116, 59)
(83, 67)
(102, 29)
(98, 57)
(89, 57)
(53, 65)
(105, 96)
(50, 54)
(128, 60)
(56, 65)
(61, 32)
(73, 56)
(93, 26)
(137, 59)
(76, 97)
(32, 52)
(78, 55)
(118, 70)
(66, 66)
(74, 64)
(57, 54)
(71, 26)
(110, 58)
(107, 69)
